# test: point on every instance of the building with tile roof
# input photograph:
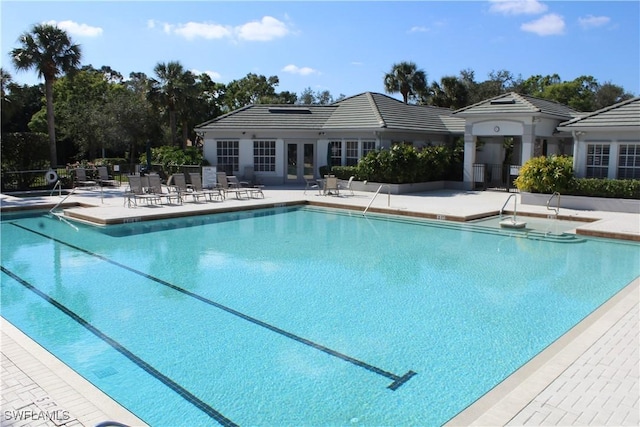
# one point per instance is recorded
(289, 143)
(607, 141)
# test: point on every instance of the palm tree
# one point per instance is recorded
(406, 78)
(171, 90)
(50, 51)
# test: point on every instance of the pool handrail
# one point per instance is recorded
(376, 194)
(557, 208)
(514, 195)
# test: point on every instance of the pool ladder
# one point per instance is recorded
(557, 208)
(515, 199)
(60, 215)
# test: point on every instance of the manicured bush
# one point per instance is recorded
(555, 173)
(344, 172)
(546, 175)
(404, 164)
(616, 188)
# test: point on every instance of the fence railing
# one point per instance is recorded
(498, 176)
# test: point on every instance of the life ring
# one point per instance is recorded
(51, 176)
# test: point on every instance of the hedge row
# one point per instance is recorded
(555, 173)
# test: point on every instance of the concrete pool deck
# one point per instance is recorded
(587, 377)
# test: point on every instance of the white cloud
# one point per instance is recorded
(548, 25)
(215, 76)
(192, 30)
(268, 28)
(418, 29)
(591, 21)
(303, 71)
(76, 29)
(517, 7)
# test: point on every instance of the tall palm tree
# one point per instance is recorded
(170, 90)
(406, 78)
(51, 52)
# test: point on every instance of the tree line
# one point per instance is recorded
(100, 113)
(583, 94)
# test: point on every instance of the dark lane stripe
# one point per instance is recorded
(184, 393)
(398, 380)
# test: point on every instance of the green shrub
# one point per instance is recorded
(171, 157)
(555, 173)
(404, 164)
(344, 172)
(546, 175)
(616, 188)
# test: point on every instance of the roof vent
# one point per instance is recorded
(289, 110)
(503, 101)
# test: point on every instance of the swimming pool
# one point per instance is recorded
(299, 315)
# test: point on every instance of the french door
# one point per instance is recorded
(300, 161)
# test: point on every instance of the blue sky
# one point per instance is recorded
(344, 47)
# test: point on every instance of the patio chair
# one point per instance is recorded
(139, 191)
(331, 186)
(226, 186)
(180, 184)
(156, 188)
(81, 178)
(105, 179)
(311, 184)
(196, 185)
(250, 176)
(347, 186)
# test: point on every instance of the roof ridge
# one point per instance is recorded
(376, 110)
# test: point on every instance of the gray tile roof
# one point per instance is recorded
(625, 114)
(514, 103)
(265, 116)
(370, 111)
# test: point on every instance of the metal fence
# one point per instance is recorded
(39, 180)
(495, 176)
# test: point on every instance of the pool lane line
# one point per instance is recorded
(397, 380)
(184, 393)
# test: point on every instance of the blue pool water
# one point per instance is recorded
(299, 316)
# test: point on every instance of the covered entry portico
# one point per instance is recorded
(502, 133)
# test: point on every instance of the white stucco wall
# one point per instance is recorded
(612, 138)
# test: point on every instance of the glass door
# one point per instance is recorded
(300, 161)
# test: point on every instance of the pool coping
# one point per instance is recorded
(35, 375)
(506, 400)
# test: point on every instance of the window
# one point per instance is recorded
(367, 147)
(336, 153)
(264, 156)
(352, 153)
(597, 161)
(228, 156)
(629, 161)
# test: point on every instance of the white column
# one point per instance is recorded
(613, 160)
(469, 157)
(528, 142)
